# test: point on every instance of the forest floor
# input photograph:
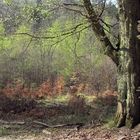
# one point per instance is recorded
(97, 133)
(53, 119)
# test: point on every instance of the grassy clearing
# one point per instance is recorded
(61, 99)
(94, 110)
(64, 99)
(88, 98)
(64, 109)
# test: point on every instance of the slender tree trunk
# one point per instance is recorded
(128, 112)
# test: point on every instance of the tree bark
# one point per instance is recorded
(127, 59)
(128, 112)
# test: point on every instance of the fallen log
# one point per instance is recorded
(76, 125)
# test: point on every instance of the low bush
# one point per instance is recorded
(77, 105)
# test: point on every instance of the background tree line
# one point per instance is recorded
(43, 40)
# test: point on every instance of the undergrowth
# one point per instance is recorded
(3, 131)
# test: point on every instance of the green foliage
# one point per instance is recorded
(70, 46)
(7, 1)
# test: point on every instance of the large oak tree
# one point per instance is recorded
(126, 57)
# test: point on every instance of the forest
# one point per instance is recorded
(69, 70)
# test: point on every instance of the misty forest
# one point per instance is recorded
(69, 69)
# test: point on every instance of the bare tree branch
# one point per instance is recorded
(103, 8)
(73, 4)
(74, 9)
(98, 29)
(73, 30)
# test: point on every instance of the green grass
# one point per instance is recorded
(61, 99)
(3, 131)
(88, 98)
(68, 119)
(108, 118)
(64, 99)
(98, 111)
(110, 123)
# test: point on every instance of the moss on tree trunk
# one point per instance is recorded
(128, 111)
(126, 57)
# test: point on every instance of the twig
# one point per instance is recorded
(103, 8)
(73, 4)
(14, 122)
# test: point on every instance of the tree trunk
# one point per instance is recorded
(128, 111)
(127, 58)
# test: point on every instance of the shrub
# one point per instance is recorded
(77, 105)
